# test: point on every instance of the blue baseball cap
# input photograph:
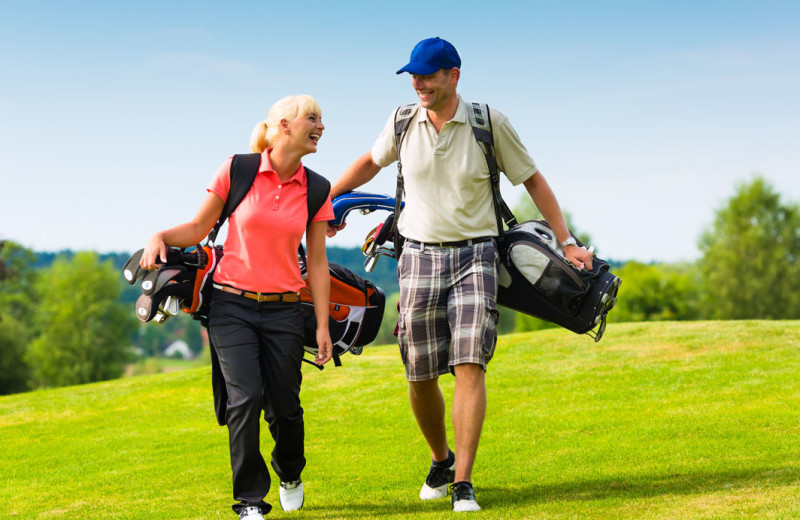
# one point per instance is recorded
(431, 55)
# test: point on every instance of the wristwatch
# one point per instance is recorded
(569, 242)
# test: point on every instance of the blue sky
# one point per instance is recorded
(643, 116)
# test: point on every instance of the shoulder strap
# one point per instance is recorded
(402, 118)
(481, 122)
(318, 190)
(244, 168)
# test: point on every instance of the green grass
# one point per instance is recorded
(690, 420)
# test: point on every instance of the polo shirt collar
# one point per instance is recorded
(266, 166)
(459, 117)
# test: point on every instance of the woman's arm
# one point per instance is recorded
(183, 235)
(320, 282)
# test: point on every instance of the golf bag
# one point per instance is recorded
(356, 311)
(535, 278)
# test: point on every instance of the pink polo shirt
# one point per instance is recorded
(265, 230)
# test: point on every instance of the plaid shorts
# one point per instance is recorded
(448, 311)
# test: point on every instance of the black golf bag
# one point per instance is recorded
(536, 279)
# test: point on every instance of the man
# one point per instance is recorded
(447, 270)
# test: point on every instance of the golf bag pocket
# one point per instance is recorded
(536, 278)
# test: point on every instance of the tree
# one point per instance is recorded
(16, 315)
(656, 292)
(751, 256)
(386, 333)
(86, 333)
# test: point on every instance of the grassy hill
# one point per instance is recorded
(662, 420)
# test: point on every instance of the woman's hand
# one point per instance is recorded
(155, 252)
(325, 345)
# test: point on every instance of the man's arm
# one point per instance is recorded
(357, 174)
(545, 200)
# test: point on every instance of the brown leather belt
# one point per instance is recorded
(289, 297)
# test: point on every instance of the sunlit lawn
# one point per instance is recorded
(658, 421)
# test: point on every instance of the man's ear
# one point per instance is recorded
(455, 75)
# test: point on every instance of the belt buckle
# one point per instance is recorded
(262, 297)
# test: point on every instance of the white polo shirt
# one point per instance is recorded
(448, 192)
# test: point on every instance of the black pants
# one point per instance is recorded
(260, 351)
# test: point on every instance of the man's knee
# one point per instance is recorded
(423, 389)
(469, 372)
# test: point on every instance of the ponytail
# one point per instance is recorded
(258, 139)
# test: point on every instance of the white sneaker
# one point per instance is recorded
(251, 513)
(291, 495)
(463, 497)
(435, 485)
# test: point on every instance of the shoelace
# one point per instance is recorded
(461, 491)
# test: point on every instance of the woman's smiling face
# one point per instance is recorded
(305, 131)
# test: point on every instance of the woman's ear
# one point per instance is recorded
(285, 126)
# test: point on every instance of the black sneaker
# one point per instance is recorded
(439, 478)
(463, 498)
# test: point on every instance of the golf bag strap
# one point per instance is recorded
(319, 188)
(244, 168)
(402, 118)
(337, 361)
(481, 122)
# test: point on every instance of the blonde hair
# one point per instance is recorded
(288, 108)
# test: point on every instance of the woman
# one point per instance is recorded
(259, 344)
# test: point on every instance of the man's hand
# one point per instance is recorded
(581, 257)
(332, 230)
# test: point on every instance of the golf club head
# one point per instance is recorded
(160, 317)
(170, 306)
(369, 263)
(369, 243)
